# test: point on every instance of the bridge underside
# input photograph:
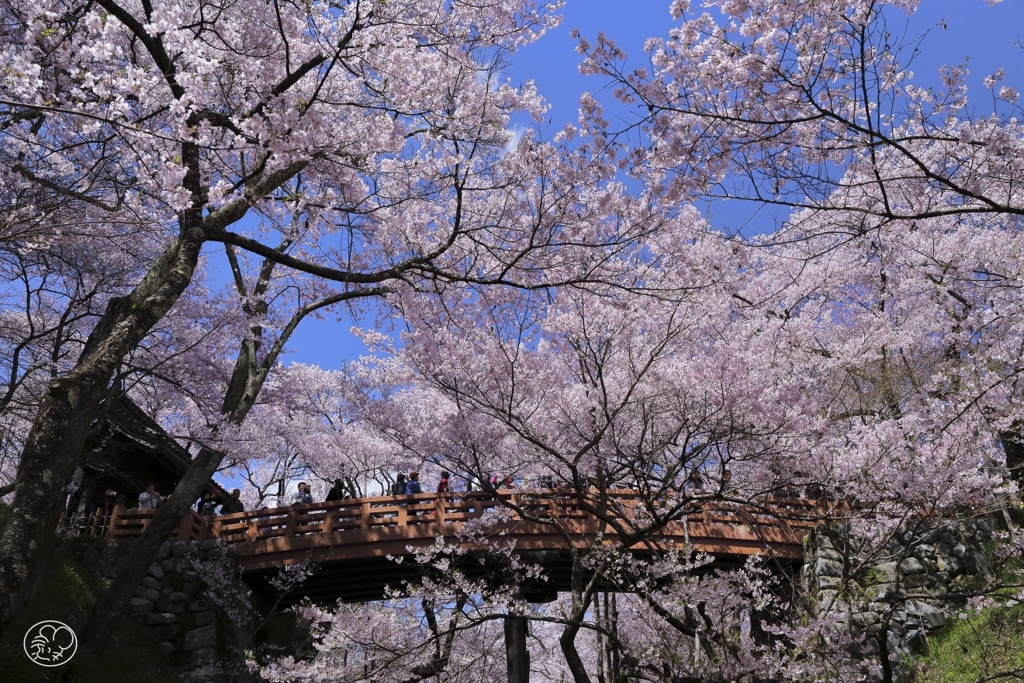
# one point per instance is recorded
(346, 566)
(369, 578)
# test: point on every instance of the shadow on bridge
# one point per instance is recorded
(352, 545)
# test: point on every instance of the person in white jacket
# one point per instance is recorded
(150, 499)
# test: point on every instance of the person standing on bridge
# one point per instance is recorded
(302, 496)
(413, 487)
(150, 499)
(443, 486)
(337, 491)
(232, 503)
(398, 488)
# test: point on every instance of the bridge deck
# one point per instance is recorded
(350, 541)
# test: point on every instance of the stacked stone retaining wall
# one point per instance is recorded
(894, 594)
(191, 605)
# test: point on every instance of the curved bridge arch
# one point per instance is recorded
(352, 542)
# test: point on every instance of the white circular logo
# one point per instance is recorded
(50, 643)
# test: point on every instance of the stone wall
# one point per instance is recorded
(894, 593)
(191, 605)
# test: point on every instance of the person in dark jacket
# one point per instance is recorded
(337, 491)
(232, 503)
(209, 503)
(398, 488)
(413, 486)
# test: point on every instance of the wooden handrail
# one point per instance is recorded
(453, 508)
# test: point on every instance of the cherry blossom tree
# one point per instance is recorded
(548, 323)
(867, 348)
(355, 139)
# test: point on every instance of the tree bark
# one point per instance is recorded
(57, 437)
(517, 655)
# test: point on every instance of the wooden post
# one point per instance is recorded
(364, 516)
(184, 532)
(114, 514)
(289, 526)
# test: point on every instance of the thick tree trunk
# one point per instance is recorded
(57, 437)
(567, 639)
(517, 655)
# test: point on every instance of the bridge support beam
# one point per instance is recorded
(516, 653)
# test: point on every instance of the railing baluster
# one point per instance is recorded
(439, 508)
(289, 527)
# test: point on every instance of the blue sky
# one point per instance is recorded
(985, 36)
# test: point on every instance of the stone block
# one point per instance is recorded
(199, 604)
(163, 604)
(178, 607)
(823, 567)
(109, 553)
(179, 548)
(947, 563)
(168, 564)
(152, 595)
(202, 637)
(827, 598)
(166, 648)
(865, 619)
(915, 581)
(205, 655)
(177, 596)
(158, 618)
(156, 571)
(165, 551)
(208, 544)
(928, 616)
(877, 592)
(141, 606)
(150, 582)
(139, 591)
(912, 565)
(882, 573)
(205, 618)
(109, 571)
(829, 582)
(216, 554)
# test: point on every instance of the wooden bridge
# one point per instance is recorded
(352, 544)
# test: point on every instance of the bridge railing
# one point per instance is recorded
(453, 508)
